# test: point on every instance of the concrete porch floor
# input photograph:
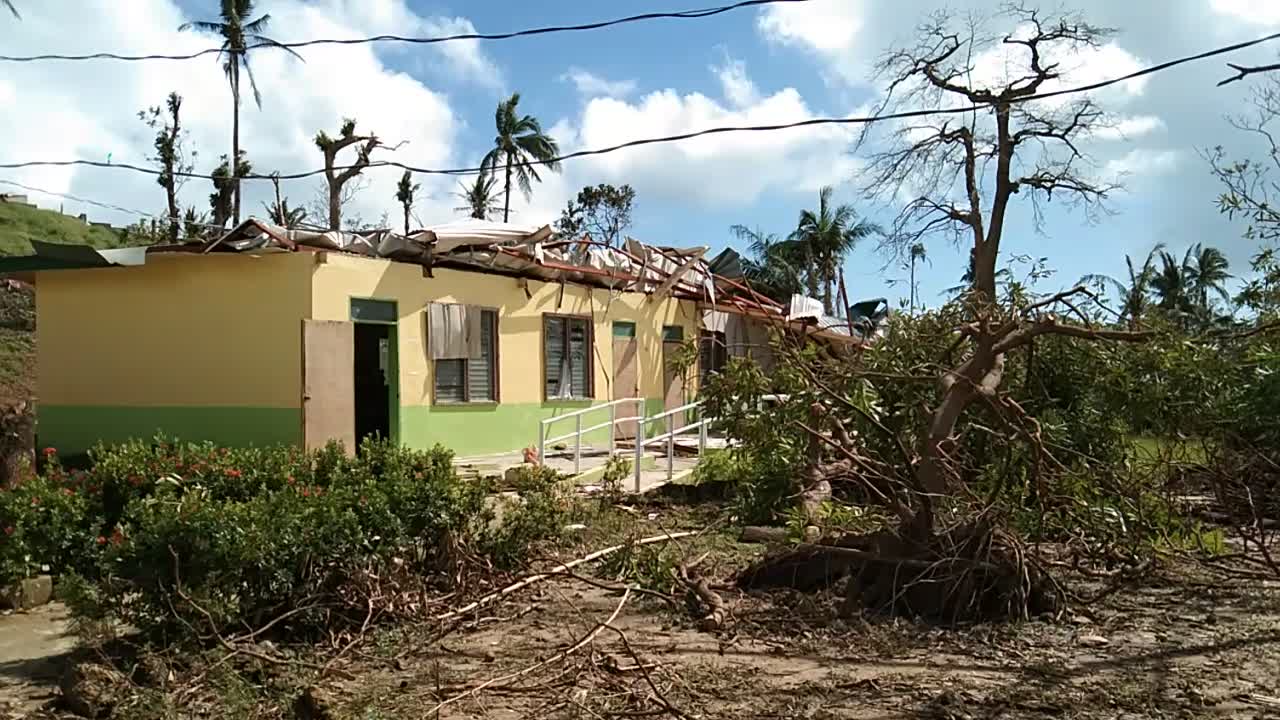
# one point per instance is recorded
(653, 467)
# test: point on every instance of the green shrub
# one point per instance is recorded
(538, 514)
(42, 527)
(177, 538)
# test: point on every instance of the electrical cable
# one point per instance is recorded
(811, 122)
(675, 15)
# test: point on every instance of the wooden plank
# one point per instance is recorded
(328, 386)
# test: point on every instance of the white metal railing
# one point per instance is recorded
(669, 437)
(577, 415)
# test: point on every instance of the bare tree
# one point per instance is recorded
(171, 155)
(963, 173)
(1250, 187)
(347, 137)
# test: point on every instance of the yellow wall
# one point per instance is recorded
(341, 278)
(213, 330)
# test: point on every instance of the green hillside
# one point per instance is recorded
(19, 224)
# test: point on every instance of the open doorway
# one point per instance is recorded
(374, 368)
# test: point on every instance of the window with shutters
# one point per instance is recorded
(566, 355)
(475, 379)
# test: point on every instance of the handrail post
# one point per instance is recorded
(671, 447)
(577, 446)
(702, 437)
(542, 443)
(639, 451)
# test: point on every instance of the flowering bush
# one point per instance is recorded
(43, 524)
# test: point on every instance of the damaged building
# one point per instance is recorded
(466, 334)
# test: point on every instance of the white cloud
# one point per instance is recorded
(1143, 161)
(1257, 12)
(731, 170)
(827, 28)
(89, 110)
(1131, 128)
(738, 88)
(592, 85)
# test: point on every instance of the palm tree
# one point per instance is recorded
(1136, 296)
(239, 36)
(1208, 273)
(916, 254)
(827, 235)
(777, 267)
(1173, 283)
(478, 196)
(520, 141)
(282, 214)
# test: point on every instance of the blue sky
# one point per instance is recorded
(776, 64)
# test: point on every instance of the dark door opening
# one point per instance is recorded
(373, 379)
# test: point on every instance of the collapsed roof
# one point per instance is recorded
(516, 250)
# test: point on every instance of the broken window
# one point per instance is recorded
(566, 349)
(464, 345)
(713, 352)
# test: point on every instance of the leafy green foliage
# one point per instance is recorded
(602, 211)
(536, 515)
(170, 537)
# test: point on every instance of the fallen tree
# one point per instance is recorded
(948, 546)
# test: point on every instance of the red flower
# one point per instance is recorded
(290, 480)
(134, 480)
(68, 491)
(117, 537)
(50, 452)
(8, 530)
(306, 492)
(35, 501)
(233, 473)
(102, 540)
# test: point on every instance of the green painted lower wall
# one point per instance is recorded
(487, 429)
(466, 429)
(74, 429)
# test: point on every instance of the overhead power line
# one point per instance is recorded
(812, 122)
(104, 205)
(645, 17)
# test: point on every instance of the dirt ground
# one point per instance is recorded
(1188, 643)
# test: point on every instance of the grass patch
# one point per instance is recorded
(17, 365)
(19, 225)
(1147, 451)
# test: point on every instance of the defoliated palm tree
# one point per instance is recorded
(478, 196)
(915, 254)
(1136, 296)
(1208, 274)
(239, 36)
(406, 190)
(520, 141)
(828, 234)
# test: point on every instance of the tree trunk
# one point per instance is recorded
(335, 206)
(913, 284)
(406, 220)
(506, 204)
(235, 139)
